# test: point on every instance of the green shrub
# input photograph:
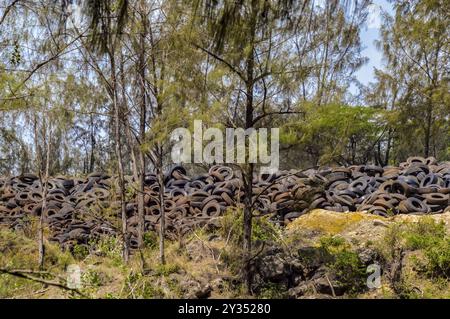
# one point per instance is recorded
(149, 290)
(110, 247)
(349, 270)
(232, 258)
(427, 237)
(332, 243)
(92, 278)
(391, 242)
(272, 291)
(151, 240)
(438, 257)
(139, 286)
(424, 234)
(167, 269)
(80, 252)
(344, 263)
(262, 229)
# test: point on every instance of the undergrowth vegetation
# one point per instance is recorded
(209, 263)
(344, 263)
(423, 251)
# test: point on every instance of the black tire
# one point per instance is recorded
(413, 205)
(379, 211)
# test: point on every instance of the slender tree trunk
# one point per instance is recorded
(44, 183)
(158, 149)
(142, 127)
(429, 123)
(324, 63)
(92, 155)
(126, 122)
(162, 218)
(248, 214)
(248, 178)
(377, 154)
(248, 217)
(118, 151)
(141, 205)
(388, 148)
(134, 150)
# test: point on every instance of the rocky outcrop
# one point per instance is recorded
(309, 267)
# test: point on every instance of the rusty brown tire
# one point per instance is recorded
(286, 204)
(343, 200)
(372, 170)
(416, 170)
(364, 207)
(226, 172)
(28, 178)
(395, 187)
(280, 196)
(430, 161)
(360, 184)
(22, 198)
(291, 216)
(177, 192)
(384, 203)
(228, 199)
(56, 197)
(336, 176)
(169, 204)
(179, 176)
(397, 198)
(437, 198)
(413, 205)
(435, 209)
(181, 200)
(416, 160)
(221, 190)
(212, 209)
(208, 199)
(429, 189)
(195, 211)
(317, 203)
(318, 179)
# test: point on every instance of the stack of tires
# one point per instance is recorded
(80, 210)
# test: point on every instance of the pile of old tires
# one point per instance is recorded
(419, 186)
(80, 210)
(75, 206)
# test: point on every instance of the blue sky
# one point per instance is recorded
(368, 36)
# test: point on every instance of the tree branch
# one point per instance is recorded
(275, 113)
(8, 8)
(220, 59)
(25, 273)
(43, 63)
